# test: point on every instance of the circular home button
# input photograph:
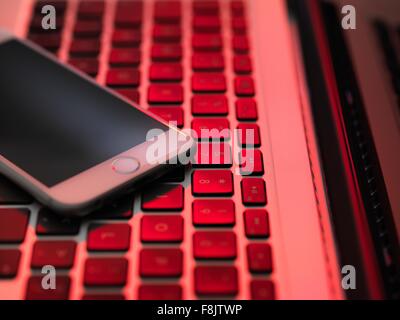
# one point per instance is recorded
(125, 165)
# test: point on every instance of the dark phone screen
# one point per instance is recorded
(55, 124)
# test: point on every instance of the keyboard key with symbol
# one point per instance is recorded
(161, 228)
(259, 258)
(254, 192)
(213, 212)
(216, 280)
(59, 254)
(108, 237)
(165, 262)
(214, 245)
(163, 198)
(105, 271)
(212, 183)
(256, 223)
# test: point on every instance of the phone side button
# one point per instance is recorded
(125, 165)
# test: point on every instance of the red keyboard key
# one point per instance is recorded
(85, 47)
(167, 11)
(240, 44)
(262, 290)
(208, 62)
(91, 9)
(124, 57)
(160, 292)
(87, 65)
(161, 228)
(49, 223)
(126, 37)
(207, 42)
(209, 7)
(104, 296)
(254, 192)
(165, 94)
(213, 155)
(9, 262)
(169, 114)
(239, 25)
(214, 245)
(13, 224)
(213, 212)
(60, 254)
(242, 64)
(48, 41)
(105, 271)
(129, 14)
(123, 77)
(244, 86)
(108, 237)
(167, 33)
(166, 52)
(209, 105)
(216, 280)
(251, 162)
(256, 223)
(249, 135)
(163, 262)
(130, 94)
(166, 72)
(259, 257)
(212, 182)
(211, 128)
(163, 198)
(206, 24)
(85, 28)
(246, 109)
(208, 82)
(35, 290)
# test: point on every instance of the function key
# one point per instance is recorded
(256, 223)
(105, 271)
(163, 262)
(163, 198)
(209, 105)
(208, 62)
(259, 258)
(216, 280)
(11, 194)
(35, 290)
(126, 37)
(254, 192)
(165, 94)
(13, 225)
(246, 109)
(262, 290)
(49, 223)
(214, 245)
(161, 228)
(108, 237)
(160, 292)
(208, 82)
(212, 183)
(9, 262)
(213, 212)
(59, 254)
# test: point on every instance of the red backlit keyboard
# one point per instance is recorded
(199, 232)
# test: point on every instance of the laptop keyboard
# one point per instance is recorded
(183, 237)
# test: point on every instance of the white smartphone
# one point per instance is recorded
(68, 141)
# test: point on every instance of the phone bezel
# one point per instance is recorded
(81, 190)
